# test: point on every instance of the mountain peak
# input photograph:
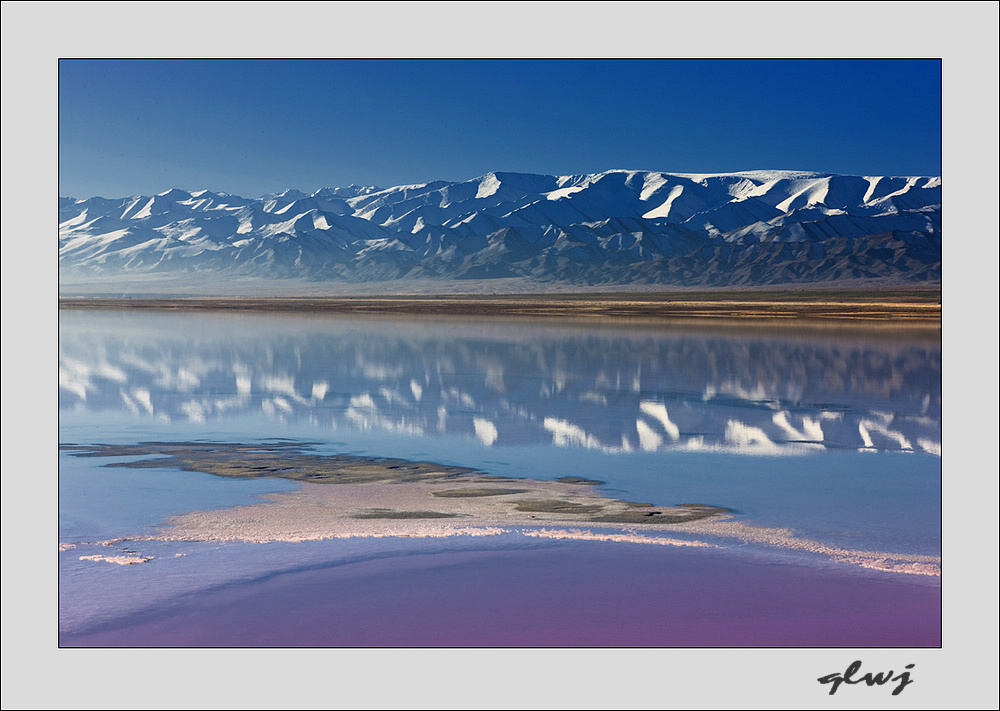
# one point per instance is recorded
(624, 227)
(175, 194)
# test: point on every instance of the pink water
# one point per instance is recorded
(584, 594)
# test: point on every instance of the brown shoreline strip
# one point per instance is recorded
(912, 307)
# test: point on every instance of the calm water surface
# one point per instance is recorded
(834, 434)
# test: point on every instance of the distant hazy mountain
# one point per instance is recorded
(617, 228)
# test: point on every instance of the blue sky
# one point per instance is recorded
(255, 126)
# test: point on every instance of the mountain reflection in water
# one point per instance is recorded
(612, 388)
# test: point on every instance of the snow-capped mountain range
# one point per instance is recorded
(615, 228)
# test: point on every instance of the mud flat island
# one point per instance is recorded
(915, 308)
(346, 496)
(379, 489)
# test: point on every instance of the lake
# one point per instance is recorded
(822, 445)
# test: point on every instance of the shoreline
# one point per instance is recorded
(350, 497)
(907, 308)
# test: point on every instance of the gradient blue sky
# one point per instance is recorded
(255, 126)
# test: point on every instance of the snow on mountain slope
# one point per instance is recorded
(619, 227)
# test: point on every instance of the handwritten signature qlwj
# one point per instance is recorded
(870, 679)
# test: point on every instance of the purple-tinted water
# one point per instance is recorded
(582, 594)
